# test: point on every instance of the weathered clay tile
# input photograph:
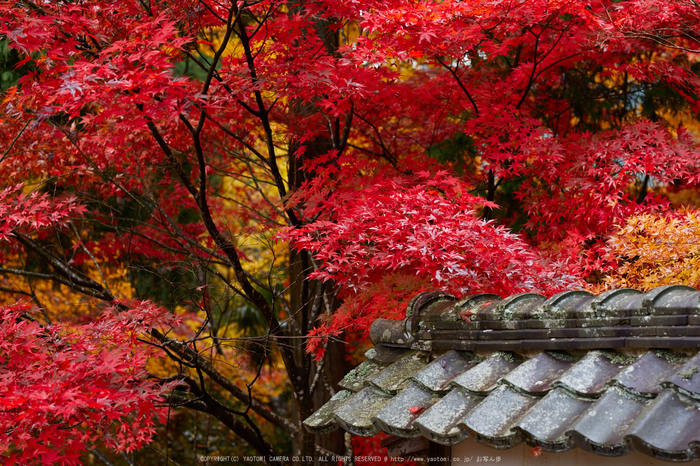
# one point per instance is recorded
(668, 425)
(452, 313)
(598, 393)
(356, 414)
(603, 426)
(482, 379)
(535, 376)
(687, 378)
(663, 300)
(323, 420)
(563, 305)
(439, 373)
(396, 418)
(613, 303)
(511, 309)
(357, 379)
(439, 422)
(646, 374)
(385, 355)
(395, 377)
(390, 332)
(519, 306)
(589, 376)
(547, 422)
(492, 420)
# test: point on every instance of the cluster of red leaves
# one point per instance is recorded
(415, 229)
(427, 224)
(63, 390)
(35, 211)
(582, 188)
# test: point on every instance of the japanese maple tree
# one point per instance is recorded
(281, 173)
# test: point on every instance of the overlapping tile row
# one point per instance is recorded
(417, 381)
(666, 317)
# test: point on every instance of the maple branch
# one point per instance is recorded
(171, 157)
(228, 419)
(319, 369)
(12, 143)
(238, 138)
(73, 277)
(346, 129)
(339, 142)
(386, 153)
(100, 456)
(531, 79)
(193, 190)
(201, 391)
(263, 116)
(94, 261)
(230, 250)
(196, 360)
(233, 16)
(459, 82)
(26, 273)
(13, 291)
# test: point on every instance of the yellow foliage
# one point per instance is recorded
(685, 197)
(655, 250)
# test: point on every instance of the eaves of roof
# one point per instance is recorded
(608, 374)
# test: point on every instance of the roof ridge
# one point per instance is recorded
(665, 317)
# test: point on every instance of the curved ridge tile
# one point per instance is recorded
(612, 303)
(602, 428)
(356, 414)
(385, 355)
(547, 422)
(677, 300)
(322, 421)
(645, 375)
(563, 305)
(519, 306)
(535, 376)
(397, 416)
(437, 376)
(395, 377)
(482, 378)
(667, 428)
(439, 422)
(491, 422)
(665, 298)
(590, 375)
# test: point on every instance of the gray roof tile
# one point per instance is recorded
(437, 375)
(670, 424)
(536, 375)
(439, 422)
(606, 422)
(358, 378)
(588, 372)
(356, 414)
(397, 416)
(556, 413)
(482, 379)
(492, 420)
(644, 377)
(590, 376)
(323, 420)
(687, 378)
(395, 377)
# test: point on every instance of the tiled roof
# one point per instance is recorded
(609, 374)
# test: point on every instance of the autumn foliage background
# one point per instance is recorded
(205, 204)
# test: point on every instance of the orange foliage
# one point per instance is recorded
(657, 249)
